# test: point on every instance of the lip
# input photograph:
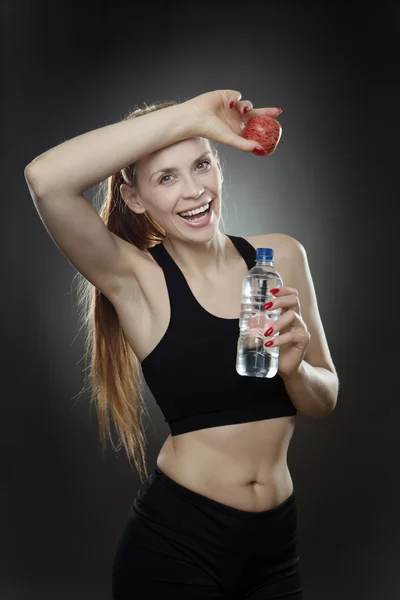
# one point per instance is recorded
(209, 202)
(203, 223)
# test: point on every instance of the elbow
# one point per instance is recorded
(333, 394)
(31, 168)
(35, 179)
(30, 173)
(331, 404)
(329, 410)
(321, 413)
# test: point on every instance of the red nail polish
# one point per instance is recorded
(231, 104)
(275, 291)
(259, 151)
(269, 331)
(246, 108)
(269, 343)
(268, 305)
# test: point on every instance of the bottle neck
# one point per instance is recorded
(265, 263)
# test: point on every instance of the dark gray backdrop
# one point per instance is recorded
(68, 68)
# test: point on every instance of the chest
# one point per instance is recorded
(145, 315)
(220, 296)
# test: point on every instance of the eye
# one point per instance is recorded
(208, 162)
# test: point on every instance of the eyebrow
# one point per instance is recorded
(165, 169)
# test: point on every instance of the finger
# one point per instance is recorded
(284, 291)
(279, 340)
(288, 319)
(244, 106)
(296, 337)
(234, 100)
(261, 112)
(283, 302)
(237, 141)
(233, 97)
(291, 303)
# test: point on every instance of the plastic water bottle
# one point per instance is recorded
(253, 358)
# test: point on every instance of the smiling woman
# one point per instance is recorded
(160, 295)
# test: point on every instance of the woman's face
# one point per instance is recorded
(180, 177)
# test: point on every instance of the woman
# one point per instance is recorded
(217, 517)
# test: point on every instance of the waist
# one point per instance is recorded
(242, 465)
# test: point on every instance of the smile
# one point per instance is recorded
(200, 219)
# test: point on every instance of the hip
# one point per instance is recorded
(179, 543)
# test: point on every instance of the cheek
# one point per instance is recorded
(217, 179)
(164, 207)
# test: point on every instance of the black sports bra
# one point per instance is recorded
(192, 370)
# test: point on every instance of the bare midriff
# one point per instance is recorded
(242, 465)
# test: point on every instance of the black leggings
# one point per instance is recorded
(182, 545)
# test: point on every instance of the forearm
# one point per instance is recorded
(83, 161)
(313, 390)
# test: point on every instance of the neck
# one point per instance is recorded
(202, 261)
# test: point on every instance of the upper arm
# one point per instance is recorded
(79, 232)
(299, 277)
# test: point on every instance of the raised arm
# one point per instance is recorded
(58, 178)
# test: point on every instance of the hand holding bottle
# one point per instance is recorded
(294, 337)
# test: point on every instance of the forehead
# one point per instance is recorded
(175, 154)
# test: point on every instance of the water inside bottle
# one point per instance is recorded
(253, 358)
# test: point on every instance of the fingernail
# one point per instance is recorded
(269, 343)
(259, 151)
(269, 331)
(280, 111)
(275, 291)
(245, 109)
(268, 305)
(231, 104)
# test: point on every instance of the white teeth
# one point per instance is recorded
(189, 213)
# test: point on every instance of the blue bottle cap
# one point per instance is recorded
(265, 254)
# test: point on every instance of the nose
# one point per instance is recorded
(191, 188)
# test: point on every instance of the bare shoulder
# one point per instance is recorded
(285, 246)
(280, 242)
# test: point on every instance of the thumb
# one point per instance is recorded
(237, 141)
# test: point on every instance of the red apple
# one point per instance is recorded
(265, 130)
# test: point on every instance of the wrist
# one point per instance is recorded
(185, 121)
(296, 374)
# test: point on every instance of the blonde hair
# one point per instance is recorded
(113, 374)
